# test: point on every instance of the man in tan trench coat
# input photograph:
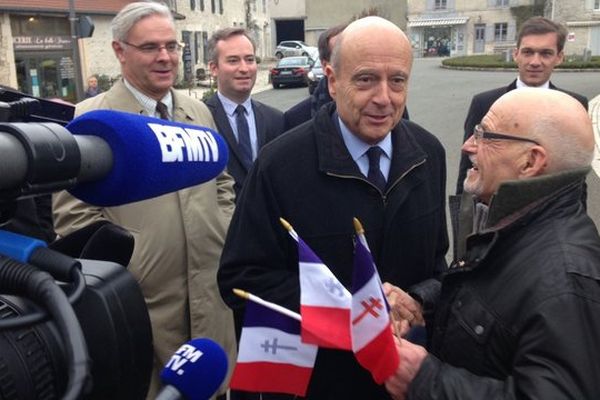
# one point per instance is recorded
(178, 236)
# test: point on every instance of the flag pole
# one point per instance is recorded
(275, 307)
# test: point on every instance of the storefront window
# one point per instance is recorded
(437, 41)
(46, 76)
(43, 52)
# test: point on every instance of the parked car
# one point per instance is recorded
(291, 70)
(314, 76)
(291, 48)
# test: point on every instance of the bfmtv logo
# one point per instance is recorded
(179, 144)
(185, 354)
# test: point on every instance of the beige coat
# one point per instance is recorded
(178, 241)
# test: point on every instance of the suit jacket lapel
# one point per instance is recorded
(261, 128)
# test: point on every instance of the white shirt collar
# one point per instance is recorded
(521, 84)
(148, 103)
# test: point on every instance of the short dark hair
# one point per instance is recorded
(541, 26)
(323, 43)
(224, 34)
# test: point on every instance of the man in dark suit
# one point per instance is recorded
(308, 107)
(246, 124)
(540, 45)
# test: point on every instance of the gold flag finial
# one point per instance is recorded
(358, 226)
(242, 293)
(286, 224)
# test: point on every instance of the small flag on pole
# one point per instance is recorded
(271, 355)
(372, 339)
(324, 302)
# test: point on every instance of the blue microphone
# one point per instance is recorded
(194, 372)
(150, 156)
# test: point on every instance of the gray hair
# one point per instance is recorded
(224, 34)
(133, 13)
(565, 151)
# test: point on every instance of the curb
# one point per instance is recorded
(499, 69)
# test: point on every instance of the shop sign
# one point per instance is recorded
(41, 42)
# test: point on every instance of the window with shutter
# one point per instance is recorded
(500, 32)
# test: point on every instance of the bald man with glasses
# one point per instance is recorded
(178, 236)
(517, 315)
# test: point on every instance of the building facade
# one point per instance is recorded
(582, 19)
(37, 49)
(467, 27)
(463, 27)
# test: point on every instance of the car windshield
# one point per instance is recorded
(293, 61)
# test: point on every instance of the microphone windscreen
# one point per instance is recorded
(197, 369)
(110, 243)
(100, 240)
(72, 244)
(151, 156)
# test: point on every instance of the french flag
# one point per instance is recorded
(324, 302)
(372, 340)
(271, 355)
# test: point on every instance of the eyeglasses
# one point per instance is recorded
(479, 133)
(154, 48)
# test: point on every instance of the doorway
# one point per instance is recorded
(479, 43)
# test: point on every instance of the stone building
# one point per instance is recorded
(466, 27)
(462, 27)
(582, 19)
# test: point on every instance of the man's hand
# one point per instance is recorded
(405, 311)
(411, 358)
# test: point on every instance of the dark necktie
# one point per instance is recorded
(161, 108)
(243, 136)
(375, 176)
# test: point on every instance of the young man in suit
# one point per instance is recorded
(540, 45)
(232, 62)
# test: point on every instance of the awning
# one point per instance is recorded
(417, 22)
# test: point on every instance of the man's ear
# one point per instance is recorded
(118, 49)
(536, 162)
(213, 67)
(331, 80)
(561, 58)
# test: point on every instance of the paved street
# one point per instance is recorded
(439, 99)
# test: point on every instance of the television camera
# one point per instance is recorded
(73, 322)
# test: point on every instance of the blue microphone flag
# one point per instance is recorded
(151, 156)
(197, 369)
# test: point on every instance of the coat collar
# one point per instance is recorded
(121, 98)
(515, 202)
